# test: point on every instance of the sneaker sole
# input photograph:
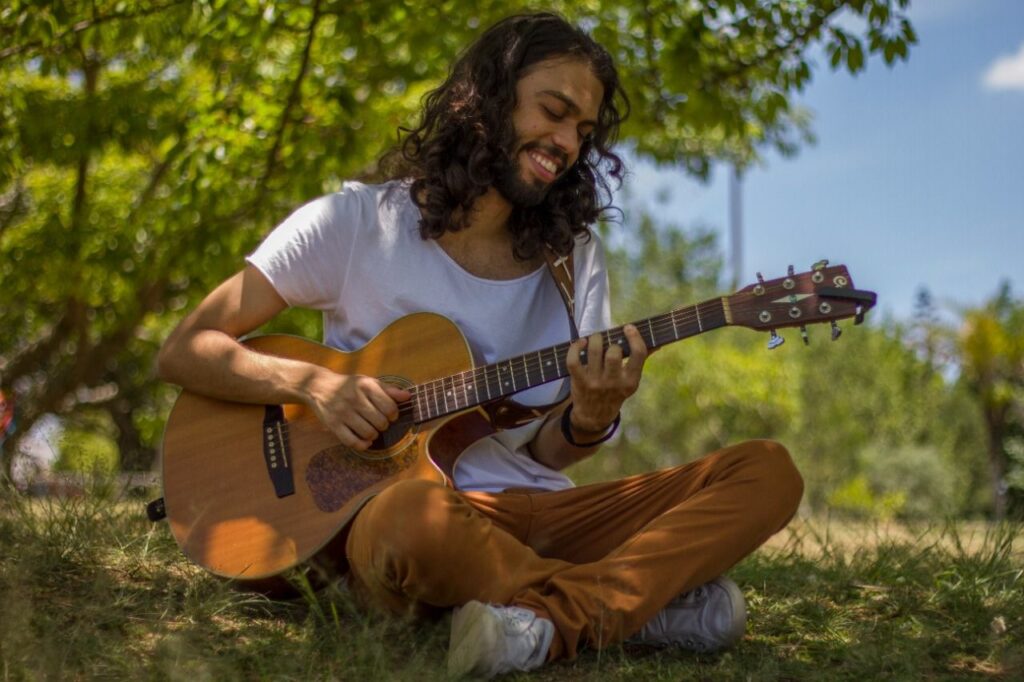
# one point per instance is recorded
(476, 633)
(739, 609)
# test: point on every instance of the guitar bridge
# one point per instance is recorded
(276, 451)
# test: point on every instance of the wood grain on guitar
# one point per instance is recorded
(252, 491)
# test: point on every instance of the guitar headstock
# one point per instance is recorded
(822, 294)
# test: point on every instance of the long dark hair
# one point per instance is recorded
(464, 138)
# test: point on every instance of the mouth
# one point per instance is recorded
(544, 166)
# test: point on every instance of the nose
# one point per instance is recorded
(567, 140)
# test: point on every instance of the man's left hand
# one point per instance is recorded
(601, 386)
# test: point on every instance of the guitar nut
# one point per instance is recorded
(765, 316)
(788, 283)
(794, 312)
(817, 277)
(825, 308)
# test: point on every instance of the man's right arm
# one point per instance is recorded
(203, 355)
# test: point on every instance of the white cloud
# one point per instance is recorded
(1006, 72)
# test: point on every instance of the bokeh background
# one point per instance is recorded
(145, 148)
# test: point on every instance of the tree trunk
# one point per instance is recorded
(995, 423)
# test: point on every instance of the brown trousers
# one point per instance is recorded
(598, 560)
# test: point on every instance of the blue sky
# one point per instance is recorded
(917, 176)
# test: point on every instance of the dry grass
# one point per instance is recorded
(90, 589)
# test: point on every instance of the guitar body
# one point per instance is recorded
(220, 458)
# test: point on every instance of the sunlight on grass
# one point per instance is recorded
(91, 589)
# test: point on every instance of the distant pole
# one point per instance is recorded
(736, 225)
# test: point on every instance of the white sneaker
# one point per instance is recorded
(708, 618)
(490, 640)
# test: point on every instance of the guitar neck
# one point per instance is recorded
(480, 385)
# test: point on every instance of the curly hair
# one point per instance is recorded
(464, 139)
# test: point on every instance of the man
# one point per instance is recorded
(509, 160)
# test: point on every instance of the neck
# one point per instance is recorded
(488, 218)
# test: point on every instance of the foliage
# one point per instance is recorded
(873, 423)
(92, 590)
(146, 146)
(992, 350)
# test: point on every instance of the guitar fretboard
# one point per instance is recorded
(457, 392)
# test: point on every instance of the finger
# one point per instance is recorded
(377, 419)
(613, 361)
(637, 351)
(349, 439)
(595, 354)
(572, 358)
(362, 427)
(383, 398)
(399, 395)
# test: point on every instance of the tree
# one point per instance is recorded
(145, 146)
(992, 358)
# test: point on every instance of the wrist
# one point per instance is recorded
(583, 437)
(584, 426)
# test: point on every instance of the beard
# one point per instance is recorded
(517, 191)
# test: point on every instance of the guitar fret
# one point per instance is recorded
(699, 325)
(540, 363)
(650, 330)
(487, 384)
(433, 391)
(675, 329)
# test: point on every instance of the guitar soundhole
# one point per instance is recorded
(383, 447)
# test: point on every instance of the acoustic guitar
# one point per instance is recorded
(251, 491)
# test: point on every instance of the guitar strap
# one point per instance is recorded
(507, 414)
(561, 270)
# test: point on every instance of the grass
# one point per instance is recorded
(90, 589)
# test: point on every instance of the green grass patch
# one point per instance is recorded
(90, 589)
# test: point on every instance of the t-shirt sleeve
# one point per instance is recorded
(306, 257)
(593, 305)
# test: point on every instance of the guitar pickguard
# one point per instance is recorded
(338, 474)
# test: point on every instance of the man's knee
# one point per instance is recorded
(780, 481)
(410, 518)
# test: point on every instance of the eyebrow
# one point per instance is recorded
(568, 101)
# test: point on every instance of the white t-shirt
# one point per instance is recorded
(357, 255)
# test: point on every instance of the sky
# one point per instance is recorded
(916, 178)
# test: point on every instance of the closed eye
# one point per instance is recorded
(553, 115)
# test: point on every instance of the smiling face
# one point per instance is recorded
(557, 105)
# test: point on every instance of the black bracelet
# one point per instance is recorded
(567, 429)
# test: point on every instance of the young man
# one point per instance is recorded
(509, 159)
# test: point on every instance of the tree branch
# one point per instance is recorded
(294, 95)
(738, 68)
(86, 24)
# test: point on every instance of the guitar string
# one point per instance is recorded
(438, 391)
(439, 387)
(531, 365)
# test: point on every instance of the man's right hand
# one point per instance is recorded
(357, 409)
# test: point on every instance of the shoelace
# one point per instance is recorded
(518, 618)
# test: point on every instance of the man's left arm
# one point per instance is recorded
(598, 390)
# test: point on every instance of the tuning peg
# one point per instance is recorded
(820, 265)
(791, 271)
(760, 278)
(836, 331)
(803, 335)
(859, 315)
(775, 341)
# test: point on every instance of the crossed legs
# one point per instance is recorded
(599, 560)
